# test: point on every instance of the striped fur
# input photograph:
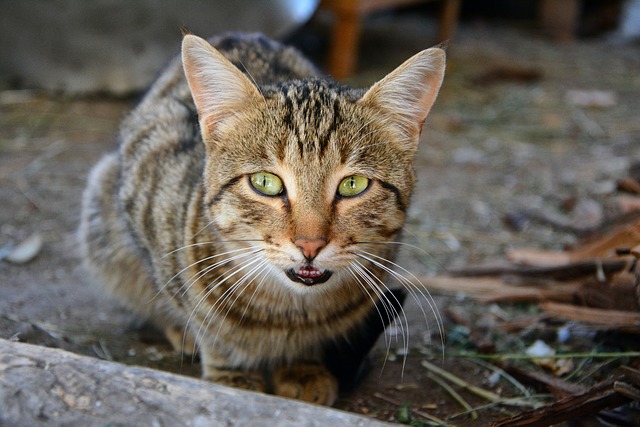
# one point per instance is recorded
(172, 227)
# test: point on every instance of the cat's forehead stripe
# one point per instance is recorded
(311, 113)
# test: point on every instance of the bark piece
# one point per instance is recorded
(489, 289)
(538, 265)
(617, 293)
(628, 204)
(629, 185)
(557, 386)
(607, 394)
(625, 321)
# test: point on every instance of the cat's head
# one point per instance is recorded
(315, 176)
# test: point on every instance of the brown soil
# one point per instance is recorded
(502, 136)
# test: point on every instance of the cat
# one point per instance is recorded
(253, 207)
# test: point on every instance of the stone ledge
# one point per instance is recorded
(46, 386)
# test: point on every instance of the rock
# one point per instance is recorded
(42, 386)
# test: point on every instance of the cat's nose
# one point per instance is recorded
(310, 247)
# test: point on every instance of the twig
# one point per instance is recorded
(621, 320)
(493, 405)
(423, 414)
(597, 398)
(455, 395)
(522, 356)
(629, 185)
(517, 384)
(557, 386)
(23, 186)
(485, 394)
(632, 374)
(627, 390)
(572, 271)
(490, 289)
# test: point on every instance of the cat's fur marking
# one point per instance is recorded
(174, 227)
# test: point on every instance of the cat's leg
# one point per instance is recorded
(215, 368)
(311, 382)
(110, 254)
(181, 339)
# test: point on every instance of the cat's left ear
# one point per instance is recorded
(406, 95)
(219, 89)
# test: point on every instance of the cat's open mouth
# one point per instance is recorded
(308, 275)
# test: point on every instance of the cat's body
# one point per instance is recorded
(257, 233)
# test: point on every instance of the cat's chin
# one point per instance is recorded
(308, 275)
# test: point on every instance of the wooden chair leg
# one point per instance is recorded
(448, 20)
(345, 38)
(560, 18)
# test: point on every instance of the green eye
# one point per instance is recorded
(353, 185)
(267, 183)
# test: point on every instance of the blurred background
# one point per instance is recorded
(534, 129)
(118, 46)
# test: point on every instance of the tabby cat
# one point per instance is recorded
(251, 206)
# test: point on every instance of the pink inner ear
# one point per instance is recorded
(207, 125)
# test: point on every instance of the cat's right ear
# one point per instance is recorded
(406, 95)
(219, 89)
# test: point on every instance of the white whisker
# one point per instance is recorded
(380, 288)
(211, 287)
(269, 269)
(414, 290)
(268, 111)
(202, 229)
(245, 282)
(253, 249)
(213, 244)
(375, 304)
(360, 137)
(255, 83)
(213, 310)
(187, 285)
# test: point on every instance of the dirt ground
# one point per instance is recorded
(506, 134)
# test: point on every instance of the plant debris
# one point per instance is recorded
(612, 393)
(594, 286)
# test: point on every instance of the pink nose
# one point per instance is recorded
(310, 247)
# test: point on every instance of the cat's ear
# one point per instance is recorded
(406, 95)
(219, 89)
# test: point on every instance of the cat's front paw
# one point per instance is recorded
(309, 382)
(239, 379)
